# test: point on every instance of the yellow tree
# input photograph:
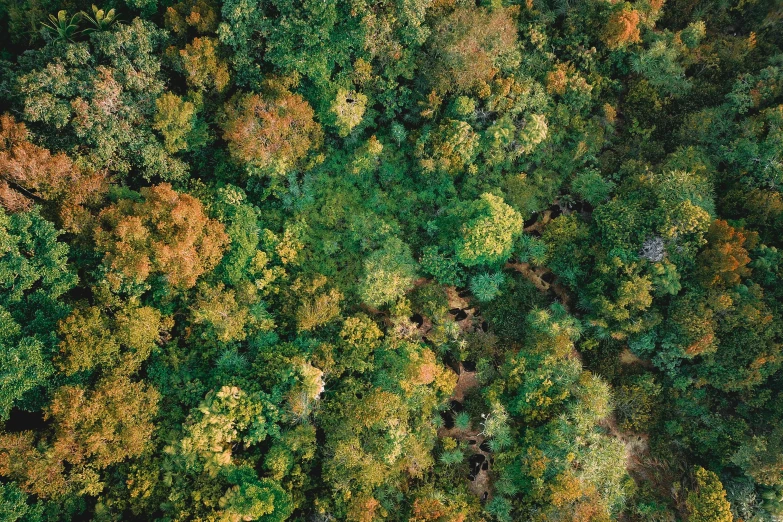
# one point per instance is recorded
(707, 501)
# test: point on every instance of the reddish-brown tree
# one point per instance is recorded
(622, 29)
(275, 131)
(92, 429)
(167, 234)
(469, 46)
(724, 261)
(29, 173)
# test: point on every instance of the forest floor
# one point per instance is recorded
(637, 449)
(481, 485)
(637, 454)
(636, 445)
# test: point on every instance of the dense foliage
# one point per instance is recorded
(404, 260)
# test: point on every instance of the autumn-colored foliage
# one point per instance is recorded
(391, 261)
(275, 131)
(202, 65)
(104, 425)
(30, 174)
(724, 261)
(202, 15)
(469, 47)
(92, 429)
(622, 28)
(167, 235)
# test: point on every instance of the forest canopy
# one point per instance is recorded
(392, 260)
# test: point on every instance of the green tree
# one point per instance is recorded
(251, 498)
(450, 148)
(224, 418)
(118, 343)
(14, 505)
(176, 119)
(636, 403)
(101, 96)
(389, 272)
(61, 27)
(591, 187)
(534, 132)
(760, 457)
(486, 286)
(659, 64)
(488, 230)
(34, 275)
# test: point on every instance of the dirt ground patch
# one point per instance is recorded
(481, 485)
